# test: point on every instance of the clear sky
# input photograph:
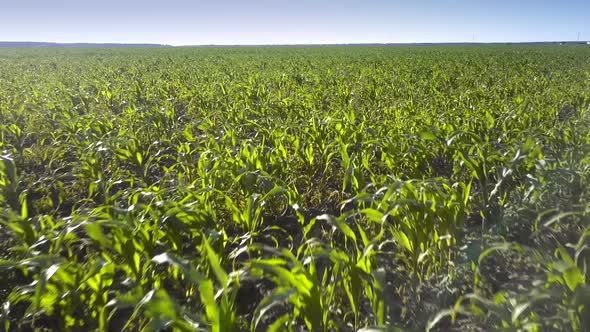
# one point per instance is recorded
(184, 22)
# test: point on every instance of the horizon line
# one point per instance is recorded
(299, 44)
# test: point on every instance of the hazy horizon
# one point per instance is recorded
(265, 22)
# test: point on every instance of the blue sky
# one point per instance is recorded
(184, 22)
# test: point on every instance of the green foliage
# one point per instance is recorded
(328, 188)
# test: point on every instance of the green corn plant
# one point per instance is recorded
(360, 277)
(219, 316)
(14, 136)
(9, 183)
(565, 289)
(299, 284)
(250, 216)
(353, 178)
(139, 156)
(425, 220)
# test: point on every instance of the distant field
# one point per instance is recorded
(295, 188)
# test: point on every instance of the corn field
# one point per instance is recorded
(295, 189)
